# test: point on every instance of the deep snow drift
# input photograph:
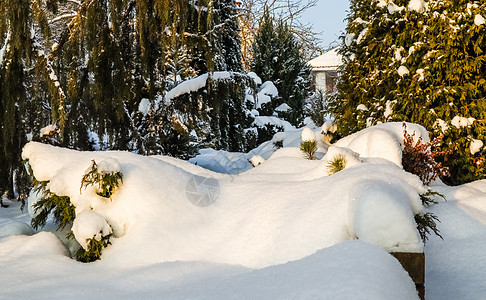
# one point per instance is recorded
(279, 230)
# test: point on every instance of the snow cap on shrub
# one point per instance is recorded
(308, 135)
(90, 225)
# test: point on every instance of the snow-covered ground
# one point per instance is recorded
(283, 229)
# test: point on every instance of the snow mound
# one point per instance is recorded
(15, 228)
(383, 140)
(286, 209)
(222, 161)
(383, 214)
(40, 244)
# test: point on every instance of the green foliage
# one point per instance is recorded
(336, 164)
(444, 52)
(107, 182)
(309, 149)
(94, 250)
(426, 224)
(60, 207)
(277, 58)
(428, 198)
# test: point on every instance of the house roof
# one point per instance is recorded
(329, 60)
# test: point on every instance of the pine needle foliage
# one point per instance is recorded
(428, 198)
(107, 182)
(59, 206)
(94, 251)
(309, 149)
(426, 224)
(336, 164)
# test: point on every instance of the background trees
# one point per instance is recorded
(421, 62)
(277, 58)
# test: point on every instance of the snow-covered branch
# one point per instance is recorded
(65, 16)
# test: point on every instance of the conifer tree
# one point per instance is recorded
(418, 61)
(277, 58)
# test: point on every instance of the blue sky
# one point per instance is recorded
(328, 18)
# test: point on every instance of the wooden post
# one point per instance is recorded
(414, 264)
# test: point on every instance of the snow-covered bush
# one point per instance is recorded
(93, 234)
(91, 230)
(309, 144)
(106, 176)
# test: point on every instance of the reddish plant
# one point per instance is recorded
(419, 158)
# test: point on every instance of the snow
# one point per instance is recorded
(4, 47)
(383, 140)
(393, 8)
(361, 107)
(308, 135)
(195, 84)
(420, 73)
(389, 108)
(479, 20)
(284, 107)
(328, 126)
(255, 77)
(89, 225)
(48, 130)
(222, 161)
(266, 92)
(283, 230)
(402, 71)
(15, 228)
(329, 59)
(460, 122)
(475, 146)
(441, 124)
(361, 35)
(261, 121)
(144, 106)
(348, 40)
(256, 160)
(382, 215)
(417, 5)
(107, 165)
